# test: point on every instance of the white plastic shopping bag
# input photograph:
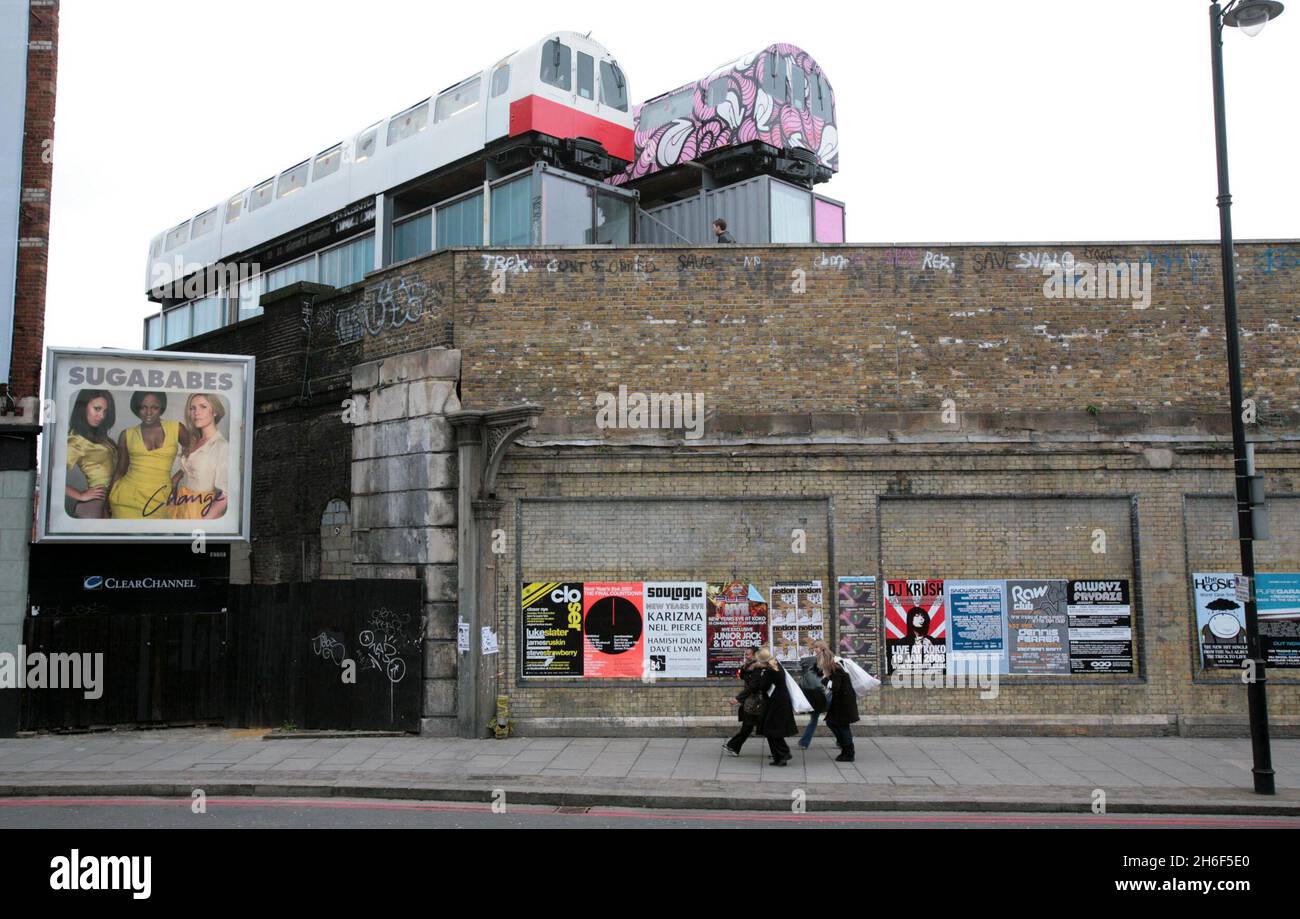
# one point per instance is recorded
(863, 682)
(801, 704)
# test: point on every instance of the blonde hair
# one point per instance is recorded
(214, 401)
(825, 660)
(764, 657)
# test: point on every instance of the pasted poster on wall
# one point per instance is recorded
(916, 626)
(738, 619)
(1220, 620)
(977, 612)
(552, 614)
(797, 618)
(1277, 608)
(858, 637)
(613, 628)
(1101, 627)
(1038, 627)
(676, 638)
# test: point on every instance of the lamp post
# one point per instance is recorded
(1250, 16)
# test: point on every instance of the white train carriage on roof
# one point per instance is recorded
(562, 101)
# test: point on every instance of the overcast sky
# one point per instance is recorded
(1019, 120)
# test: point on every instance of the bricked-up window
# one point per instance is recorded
(586, 76)
(178, 236)
(234, 207)
(336, 541)
(456, 100)
(510, 212)
(613, 86)
(408, 123)
(460, 223)
(261, 195)
(348, 263)
(204, 223)
(327, 163)
(557, 65)
(292, 180)
(500, 80)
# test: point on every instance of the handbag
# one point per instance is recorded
(754, 703)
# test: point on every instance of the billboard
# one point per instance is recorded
(146, 446)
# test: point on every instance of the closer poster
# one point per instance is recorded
(1277, 608)
(738, 619)
(552, 614)
(977, 611)
(676, 628)
(1038, 627)
(859, 624)
(1101, 627)
(613, 628)
(1220, 620)
(916, 626)
(797, 619)
(146, 446)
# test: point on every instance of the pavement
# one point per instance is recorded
(1156, 775)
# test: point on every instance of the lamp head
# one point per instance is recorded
(1252, 15)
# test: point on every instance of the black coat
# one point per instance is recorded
(843, 708)
(778, 720)
(752, 677)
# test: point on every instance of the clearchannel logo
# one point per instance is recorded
(98, 582)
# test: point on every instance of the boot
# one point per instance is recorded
(846, 756)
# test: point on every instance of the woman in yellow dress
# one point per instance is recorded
(92, 451)
(202, 484)
(145, 456)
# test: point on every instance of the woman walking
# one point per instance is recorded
(778, 720)
(810, 680)
(842, 712)
(752, 703)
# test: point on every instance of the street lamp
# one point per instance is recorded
(1250, 16)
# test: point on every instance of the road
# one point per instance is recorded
(344, 813)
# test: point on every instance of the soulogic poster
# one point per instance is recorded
(613, 628)
(916, 626)
(676, 628)
(1101, 627)
(552, 614)
(738, 619)
(1038, 627)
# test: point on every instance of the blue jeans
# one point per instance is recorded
(844, 734)
(807, 737)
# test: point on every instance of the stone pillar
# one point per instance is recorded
(404, 512)
(482, 438)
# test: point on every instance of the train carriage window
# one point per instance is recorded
(613, 86)
(204, 223)
(178, 235)
(409, 123)
(798, 85)
(500, 80)
(827, 98)
(668, 108)
(586, 76)
(775, 83)
(293, 179)
(327, 163)
(456, 100)
(261, 195)
(556, 64)
(366, 144)
(234, 207)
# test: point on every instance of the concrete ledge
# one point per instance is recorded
(872, 725)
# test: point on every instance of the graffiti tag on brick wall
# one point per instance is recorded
(390, 304)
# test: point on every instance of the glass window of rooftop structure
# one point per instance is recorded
(413, 236)
(460, 223)
(511, 213)
(348, 263)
